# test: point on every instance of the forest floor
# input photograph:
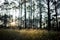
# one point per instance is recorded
(28, 34)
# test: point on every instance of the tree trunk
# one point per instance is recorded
(56, 17)
(21, 12)
(49, 20)
(25, 11)
(31, 14)
(40, 14)
(40, 19)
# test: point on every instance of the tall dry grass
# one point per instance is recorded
(28, 34)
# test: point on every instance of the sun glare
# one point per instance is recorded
(13, 23)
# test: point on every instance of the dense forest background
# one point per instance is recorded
(40, 14)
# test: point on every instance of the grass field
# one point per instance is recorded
(28, 34)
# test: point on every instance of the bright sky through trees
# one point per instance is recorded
(15, 12)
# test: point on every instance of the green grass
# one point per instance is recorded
(28, 34)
